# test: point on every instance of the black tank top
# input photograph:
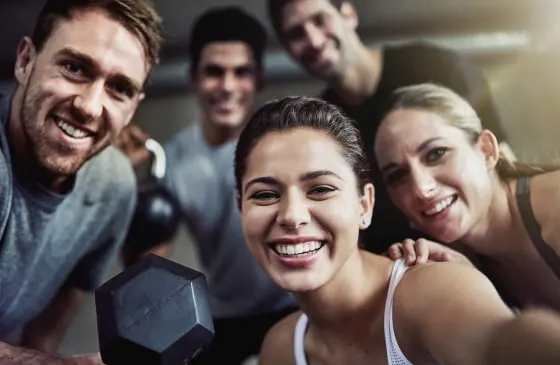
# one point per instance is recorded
(532, 226)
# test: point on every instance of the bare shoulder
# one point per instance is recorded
(278, 345)
(441, 303)
(435, 283)
(545, 201)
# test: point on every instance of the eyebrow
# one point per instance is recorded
(420, 148)
(300, 24)
(93, 65)
(269, 180)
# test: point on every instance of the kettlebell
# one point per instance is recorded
(157, 215)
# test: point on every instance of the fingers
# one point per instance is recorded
(422, 251)
(395, 251)
(131, 141)
(409, 251)
(137, 134)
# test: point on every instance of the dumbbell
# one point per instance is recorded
(157, 215)
(156, 312)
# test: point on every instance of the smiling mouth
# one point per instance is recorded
(298, 249)
(441, 206)
(70, 130)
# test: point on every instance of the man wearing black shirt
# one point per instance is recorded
(321, 36)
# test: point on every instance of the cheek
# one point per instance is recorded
(337, 216)
(248, 88)
(401, 196)
(207, 86)
(296, 48)
(256, 220)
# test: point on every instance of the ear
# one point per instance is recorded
(26, 55)
(141, 97)
(367, 202)
(238, 200)
(488, 145)
(349, 13)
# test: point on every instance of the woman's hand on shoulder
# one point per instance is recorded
(278, 345)
(422, 250)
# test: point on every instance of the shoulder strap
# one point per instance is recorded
(299, 334)
(533, 228)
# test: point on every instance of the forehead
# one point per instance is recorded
(289, 154)
(408, 128)
(227, 54)
(298, 11)
(114, 48)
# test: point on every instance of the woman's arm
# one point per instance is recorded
(458, 317)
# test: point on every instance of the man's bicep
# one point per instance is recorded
(457, 315)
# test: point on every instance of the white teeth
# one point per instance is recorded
(298, 249)
(69, 130)
(439, 206)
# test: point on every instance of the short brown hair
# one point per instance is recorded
(138, 16)
(275, 13)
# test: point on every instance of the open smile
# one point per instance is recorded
(440, 207)
(70, 129)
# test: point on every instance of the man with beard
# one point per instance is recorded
(226, 71)
(66, 196)
(321, 36)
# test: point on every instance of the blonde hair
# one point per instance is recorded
(457, 112)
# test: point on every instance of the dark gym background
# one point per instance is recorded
(515, 42)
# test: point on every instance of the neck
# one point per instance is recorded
(216, 135)
(22, 152)
(356, 295)
(359, 81)
(491, 236)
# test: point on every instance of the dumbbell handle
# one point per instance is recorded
(160, 163)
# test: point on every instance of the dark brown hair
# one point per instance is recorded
(138, 16)
(275, 13)
(229, 23)
(293, 112)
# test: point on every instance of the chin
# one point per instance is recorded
(446, 235)
(230, 121)
(298, 282)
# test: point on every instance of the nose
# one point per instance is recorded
(314, 36)
(293, 213)
(228, 82)
(89, 102)
(423, 182)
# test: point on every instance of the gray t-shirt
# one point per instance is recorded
(201, 178)
(47, 238)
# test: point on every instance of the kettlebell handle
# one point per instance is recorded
(159, 163)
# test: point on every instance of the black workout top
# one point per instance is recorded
(523, 195)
